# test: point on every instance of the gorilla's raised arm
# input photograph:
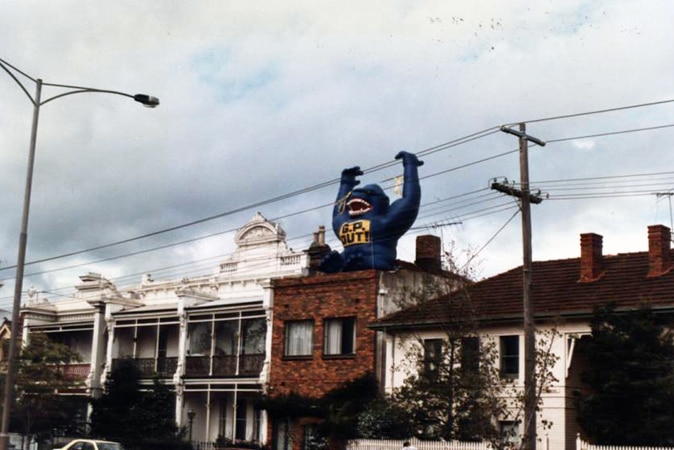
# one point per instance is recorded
(403, 212)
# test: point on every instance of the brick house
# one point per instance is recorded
(321, 338)
(565, 293)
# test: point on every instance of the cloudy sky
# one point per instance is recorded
(264, 103)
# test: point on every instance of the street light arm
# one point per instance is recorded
(4, 65)
(146, 100)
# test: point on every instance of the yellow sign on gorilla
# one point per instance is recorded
(356, 232)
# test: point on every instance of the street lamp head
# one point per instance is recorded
(147, 100)
(191, 414)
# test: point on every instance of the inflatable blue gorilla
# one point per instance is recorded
(367, 225)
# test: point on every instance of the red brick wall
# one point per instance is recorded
(351, 294)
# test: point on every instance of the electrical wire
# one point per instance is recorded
(489, 241)
(429, 151)
(595, 112)
(450, 144)
(251, 268)
(447, 145)
(610, 133)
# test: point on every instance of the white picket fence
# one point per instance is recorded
(582, 445)
(620, 447)
(373, 444)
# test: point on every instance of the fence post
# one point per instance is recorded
(578, 441)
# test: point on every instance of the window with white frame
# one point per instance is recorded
(299, 337)
(432, 356)
(226, 333)
(510, 356)
(253, 336)
(200, 338)
(510, 432)
(282, 439)
(339, 336)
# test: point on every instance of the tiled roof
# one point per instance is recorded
(556, 292)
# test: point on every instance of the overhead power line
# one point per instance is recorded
(431, 150)
(589, 113)
(462, 203)
(428, 151)
(611, 133)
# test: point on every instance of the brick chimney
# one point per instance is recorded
(318, 249)
(590, 257)
(429, 253)
(659, 259)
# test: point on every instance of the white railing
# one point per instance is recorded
(292, 260)
(229, 267)
(375, 444)
(582, 445)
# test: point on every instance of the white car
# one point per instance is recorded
(91, 444)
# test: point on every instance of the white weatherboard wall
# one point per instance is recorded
(556, 403)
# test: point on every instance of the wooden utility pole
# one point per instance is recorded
(526, 199)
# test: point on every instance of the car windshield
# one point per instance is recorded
(110, 446)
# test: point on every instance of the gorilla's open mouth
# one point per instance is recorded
(358, 207)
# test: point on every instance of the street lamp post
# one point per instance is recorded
(190, 417)
(37, 102)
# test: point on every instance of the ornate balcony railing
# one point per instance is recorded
(76, 371)
(166, 367)
(149, 367)
(223, 366)
(251, 364)
(197, 366)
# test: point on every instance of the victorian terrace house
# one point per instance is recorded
(207, 336)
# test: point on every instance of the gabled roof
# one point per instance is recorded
(556, 292)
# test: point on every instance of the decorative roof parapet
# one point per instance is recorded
(259, 231)
(262, 251)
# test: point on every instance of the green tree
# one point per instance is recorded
(135, 417)
(630, 379)
(158, 406)
(455, 391)
(114, 414)
(40, 407)
(335, 415)
(342, 407)
(383, 419)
